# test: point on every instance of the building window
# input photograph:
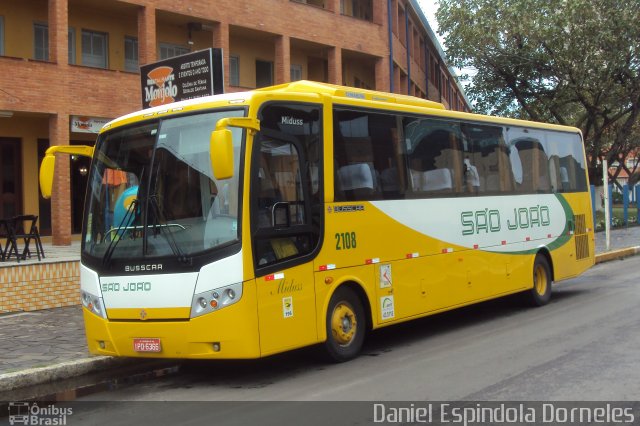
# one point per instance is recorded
(234, 71)
(170, 50)
(361, 9)
(40, 42)
(316, 3)
(72, 45)
(296, 72)
(1, 35)
(130, 54)
(264, 73)
(433, 70)
(94, 49)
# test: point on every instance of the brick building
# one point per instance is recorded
(65, 62)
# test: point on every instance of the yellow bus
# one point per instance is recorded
(247, 224)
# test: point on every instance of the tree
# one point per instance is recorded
(571, 62)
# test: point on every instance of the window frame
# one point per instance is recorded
(234, 74)
(105, 38)
(177, 50)
(128, 62)
(72, 46)
(42, 26)
(295, 68)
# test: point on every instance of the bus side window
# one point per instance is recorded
(486, 151)
(368, 156)
(435, 164)
(535, 165)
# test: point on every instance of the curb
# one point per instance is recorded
(617, 254)
(64, 370)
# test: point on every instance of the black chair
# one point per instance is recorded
(26, 228)
(4, 235)
(8, 231)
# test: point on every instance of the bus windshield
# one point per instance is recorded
(152, 192)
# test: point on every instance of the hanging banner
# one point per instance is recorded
(83, 124)
(182, 77)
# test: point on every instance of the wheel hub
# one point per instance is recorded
(540, 280)
(343, 324)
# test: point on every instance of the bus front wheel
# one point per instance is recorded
(540, 294)
(346, 325)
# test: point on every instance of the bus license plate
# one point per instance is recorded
(147, 345)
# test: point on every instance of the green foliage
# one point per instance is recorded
(572, 62)
(617, 197)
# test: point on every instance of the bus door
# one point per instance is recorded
(286, 215)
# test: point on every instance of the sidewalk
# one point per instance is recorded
(46, 345)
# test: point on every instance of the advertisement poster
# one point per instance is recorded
(189, 76)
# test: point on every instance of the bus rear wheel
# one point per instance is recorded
(345, 324)
(540, 294)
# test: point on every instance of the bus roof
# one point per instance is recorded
(339, 94)
(335, 91)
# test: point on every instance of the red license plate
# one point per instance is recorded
(147, 345)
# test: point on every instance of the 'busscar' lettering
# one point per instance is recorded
(138, 268)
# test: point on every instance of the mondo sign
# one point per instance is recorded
(182, 77)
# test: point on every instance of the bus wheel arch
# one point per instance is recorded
(542, 275)
(544, 251)
(347, 321)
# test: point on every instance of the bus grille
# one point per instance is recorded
(581, 225)
(581, 237)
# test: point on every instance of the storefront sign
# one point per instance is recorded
(182, 77)
(82, 124)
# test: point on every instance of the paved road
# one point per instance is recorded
(54, 336)
(584, 345)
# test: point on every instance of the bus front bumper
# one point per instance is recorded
(229, 333)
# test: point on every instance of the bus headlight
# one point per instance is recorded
(216, 299)
(93, 303)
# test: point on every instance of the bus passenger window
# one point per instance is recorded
(487, 167)
(434, 158)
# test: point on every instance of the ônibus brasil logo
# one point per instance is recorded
(27, 413)
(160, 89)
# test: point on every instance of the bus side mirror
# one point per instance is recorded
(49, 161)
(221, 152)
(46, 175)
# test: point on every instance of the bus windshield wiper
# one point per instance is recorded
(115, 239)
(175, 248)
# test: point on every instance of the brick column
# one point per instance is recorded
(59, 31)
(147, 51)
(397, 82)
(383, 82)
(394, 16)
(334, 5)
(61, 192)
(335, 65)
(221, 40)
(283, 59)
(380, 12)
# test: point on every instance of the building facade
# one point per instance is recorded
(69, 65)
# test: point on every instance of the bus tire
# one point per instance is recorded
(346, 326)
(540, 293)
